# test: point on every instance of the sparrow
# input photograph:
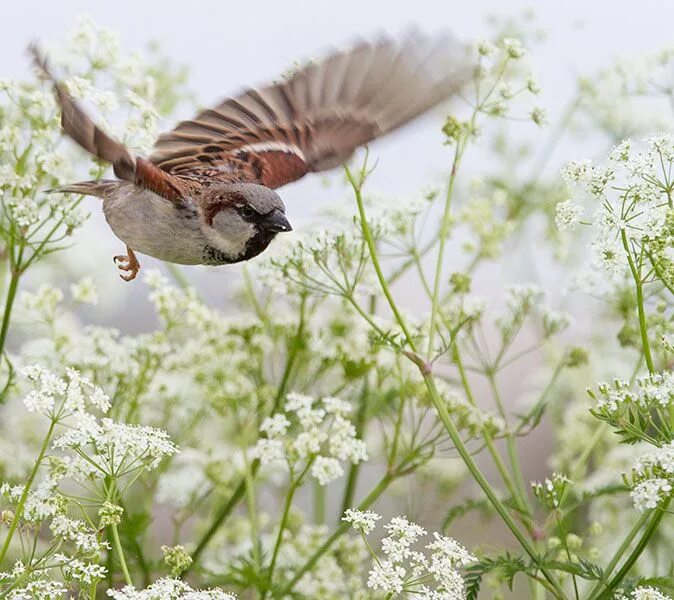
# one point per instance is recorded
(206, 193)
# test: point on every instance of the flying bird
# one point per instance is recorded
(205, 195)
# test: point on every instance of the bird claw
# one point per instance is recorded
(127, 262)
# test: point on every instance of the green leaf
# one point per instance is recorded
(507, 565)
(465, 507)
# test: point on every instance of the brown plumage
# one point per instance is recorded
(260, 140)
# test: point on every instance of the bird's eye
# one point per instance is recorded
(246, 212)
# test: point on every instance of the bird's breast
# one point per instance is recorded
(154, 226)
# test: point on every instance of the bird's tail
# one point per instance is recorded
(100, 189)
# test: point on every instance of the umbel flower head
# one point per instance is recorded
(409, 572)
(634, 214)
(311, 432)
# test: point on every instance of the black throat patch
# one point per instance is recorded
(257, 244)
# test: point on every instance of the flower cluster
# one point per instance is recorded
(408, 572)
(58, 398)
(117, 449)
(633, 194)
(630, 409)
(632, 96)
(652, 479)
(32, 155)
(500, 78)
(169, 589)
(311, 435)
(551, 492)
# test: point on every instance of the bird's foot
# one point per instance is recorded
(127, 262)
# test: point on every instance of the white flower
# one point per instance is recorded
(539, 115)
(447, 552)
(269, 451)
(118, 448)
(650, 492)
(169, 589)
(648, 593)
(661, 458)
(326, 469)
(387, 577)
(513, 48)
(84, 291)
(336, 406)
(365, 521)
(275, 426)
(621, 152)
(486, 48)
(568, 214)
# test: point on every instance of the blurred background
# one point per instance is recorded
(226, 46)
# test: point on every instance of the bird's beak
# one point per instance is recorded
(276, 221)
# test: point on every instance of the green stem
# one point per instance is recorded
(120, 553)
(511, 446)
(354, 470)
(377, 491)
(284, 520)
(24, 496)
(9, 303)
(562, 533)
(357, 185)
(442, 408)
(505, 474)
(236, 496)
(319, 503)
(640, 303)
(642, 544)
(252, 510)
(444, 234)
(483, 483)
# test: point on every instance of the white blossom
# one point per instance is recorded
(364, 521)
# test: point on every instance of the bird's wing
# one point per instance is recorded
(82, 130)
(314, 119)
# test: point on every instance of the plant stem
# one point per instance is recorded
(236, 496)
(24, 496)
(357, 185)
(9, 303)
(440, 406)
(284, 520)
(350, 489)
(252, 510)
(120, 553)
(444, 234)
(657, 516)
(483, 483)
(377, 491)
(511, 446)
(319, 503)
(562, 533)
(636, 275)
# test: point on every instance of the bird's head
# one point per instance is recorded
(240, 219)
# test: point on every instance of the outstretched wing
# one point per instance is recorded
(317, 117)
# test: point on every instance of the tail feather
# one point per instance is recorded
(100, 189)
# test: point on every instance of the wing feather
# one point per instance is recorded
(317, 117)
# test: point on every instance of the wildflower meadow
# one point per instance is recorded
(268, 447)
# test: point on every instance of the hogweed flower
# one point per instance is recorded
(175, 589)
(551, 492)
(433, 574)
(320, 434)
